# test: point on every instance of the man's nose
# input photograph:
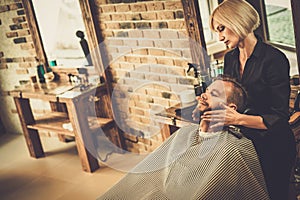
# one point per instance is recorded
(203, 96)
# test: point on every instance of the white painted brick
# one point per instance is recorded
(162, 101)
(142, 105)
(156, 52)
(149, 59)
(168, 79)
(140, 89)
(180, 44)
(135, 118)
(112, 49)
(113, 41)
(132, 59)
(137, 75)
(181, 62)
(173, 52)
(134, 97)
(145, 43)
(174, 102)
(153, 92)
(186, 53)
(131, 82)
(178, 71)
(130, 42)
(161, 87)
(122, 73)
(135, 33)
(142, 67)
(124, 50)
(136, 111)
(162, 44)
(152, 77)
(131, 102)
(169, 34)
(183, 34)
(151, 34)
(160, 69)
(126, 66)
(165, 61)
(114, 65)
(140, 51)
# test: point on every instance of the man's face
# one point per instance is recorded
(214, 95)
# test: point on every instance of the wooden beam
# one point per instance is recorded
(295, 4)
(32, 137)
(196, 36)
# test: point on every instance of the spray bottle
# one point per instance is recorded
(199, 84)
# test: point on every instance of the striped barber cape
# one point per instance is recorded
(189, 165)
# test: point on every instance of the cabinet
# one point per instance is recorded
(85, 111)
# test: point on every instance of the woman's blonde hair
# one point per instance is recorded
(237, 15)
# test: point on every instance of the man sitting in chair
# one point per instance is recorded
(199, 162)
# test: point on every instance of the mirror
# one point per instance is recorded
(59, 22)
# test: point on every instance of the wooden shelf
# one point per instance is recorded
(96, 123)
(53, 122)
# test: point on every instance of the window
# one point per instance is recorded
(58, 21)
(212, 43)
(280, 23)
(206, 7)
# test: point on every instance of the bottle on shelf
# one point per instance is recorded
(41, 72)
(199, 79)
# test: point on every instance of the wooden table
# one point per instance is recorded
(176, 117)
(68, 105)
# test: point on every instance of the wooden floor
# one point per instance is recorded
(58, 176)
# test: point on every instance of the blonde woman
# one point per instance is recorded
(264, 72)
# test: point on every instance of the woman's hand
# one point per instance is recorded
(224, 116)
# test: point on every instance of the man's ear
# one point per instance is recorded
(233, 106)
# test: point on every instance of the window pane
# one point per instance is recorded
(280, 22)
(206, 7)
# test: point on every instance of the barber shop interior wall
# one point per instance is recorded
(149, 50)
(17, 60)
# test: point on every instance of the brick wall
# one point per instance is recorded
(149, 50)
(17, 60)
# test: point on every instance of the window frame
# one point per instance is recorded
(276, 44)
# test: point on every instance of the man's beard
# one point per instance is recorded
(212, 122)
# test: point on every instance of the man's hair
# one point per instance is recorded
(237, 95)
(237, 15)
